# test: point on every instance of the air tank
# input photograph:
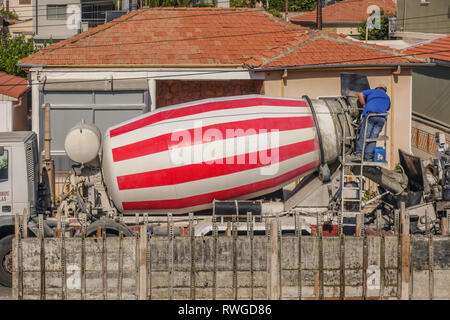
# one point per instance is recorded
(180, 158)
(83, 142)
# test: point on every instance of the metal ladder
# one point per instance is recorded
(354, 194)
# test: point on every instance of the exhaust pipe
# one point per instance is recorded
(49, 164)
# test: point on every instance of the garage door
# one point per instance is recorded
(103, 108)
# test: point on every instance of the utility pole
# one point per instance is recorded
(319, 15)
(367, 30)
(286, 8)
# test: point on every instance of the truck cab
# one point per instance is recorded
(19, 175)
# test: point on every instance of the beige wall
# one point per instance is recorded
(24, 11)
(315, 83)
(25, 27)
(20, 115)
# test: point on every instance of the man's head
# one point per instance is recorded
(381, 87)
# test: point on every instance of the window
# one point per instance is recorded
(56, 11)
(3, 165)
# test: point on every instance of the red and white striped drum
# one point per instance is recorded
(179, 159)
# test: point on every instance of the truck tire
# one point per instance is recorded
(6, 260)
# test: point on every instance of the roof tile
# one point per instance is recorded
(180, 36)
(12, 86)
(438, 49)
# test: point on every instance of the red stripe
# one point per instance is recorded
(199, 171)
(219, 195)
(165, 142)
(204, 107)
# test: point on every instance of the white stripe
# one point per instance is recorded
(207, 119)
(164, 160)
(199, 102)
(213, 184)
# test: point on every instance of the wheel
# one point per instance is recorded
(6, 260)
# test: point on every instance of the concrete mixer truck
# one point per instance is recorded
(224, 155)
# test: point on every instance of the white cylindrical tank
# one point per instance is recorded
(83, 142)
(179, 159)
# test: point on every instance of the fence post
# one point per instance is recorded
(404, 253)
(19, 269)
(143, 263)
(430, 266)
(274, 272)
(25, 223)
(444, 223)
(41, 236)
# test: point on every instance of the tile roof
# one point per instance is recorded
(347, 11)
(438, 49)
(319, 48)
(172, 36)
(12, 86)
(206, 36)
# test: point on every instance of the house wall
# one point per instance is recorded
(349, 30)
(13, 113)
(316, 83)
(434, 16)
(18, 29)
(6, 116)
(22, 8)
(45, 28)
(170, 92)
(20, 114)
(431, 94)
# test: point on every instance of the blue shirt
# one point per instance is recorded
(376, 101)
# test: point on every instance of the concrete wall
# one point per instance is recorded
(316, 83)
(434, 16)
(198, 268)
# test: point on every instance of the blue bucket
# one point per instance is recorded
(379, 154)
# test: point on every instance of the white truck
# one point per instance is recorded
(137, 169)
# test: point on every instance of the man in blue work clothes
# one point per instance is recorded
(374, 101)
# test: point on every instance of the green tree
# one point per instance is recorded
(293, 5)
(12, 49)
(8, 14)
(375, 34)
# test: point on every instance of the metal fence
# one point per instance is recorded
(240, 264)
(424, 140)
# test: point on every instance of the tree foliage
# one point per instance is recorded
(8, 14)
(12, 49)
(180, 3)
(375, 34)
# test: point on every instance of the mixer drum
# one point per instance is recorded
(179, 159)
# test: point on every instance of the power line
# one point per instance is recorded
(93, 4)
(179, 9)
(225, 12)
